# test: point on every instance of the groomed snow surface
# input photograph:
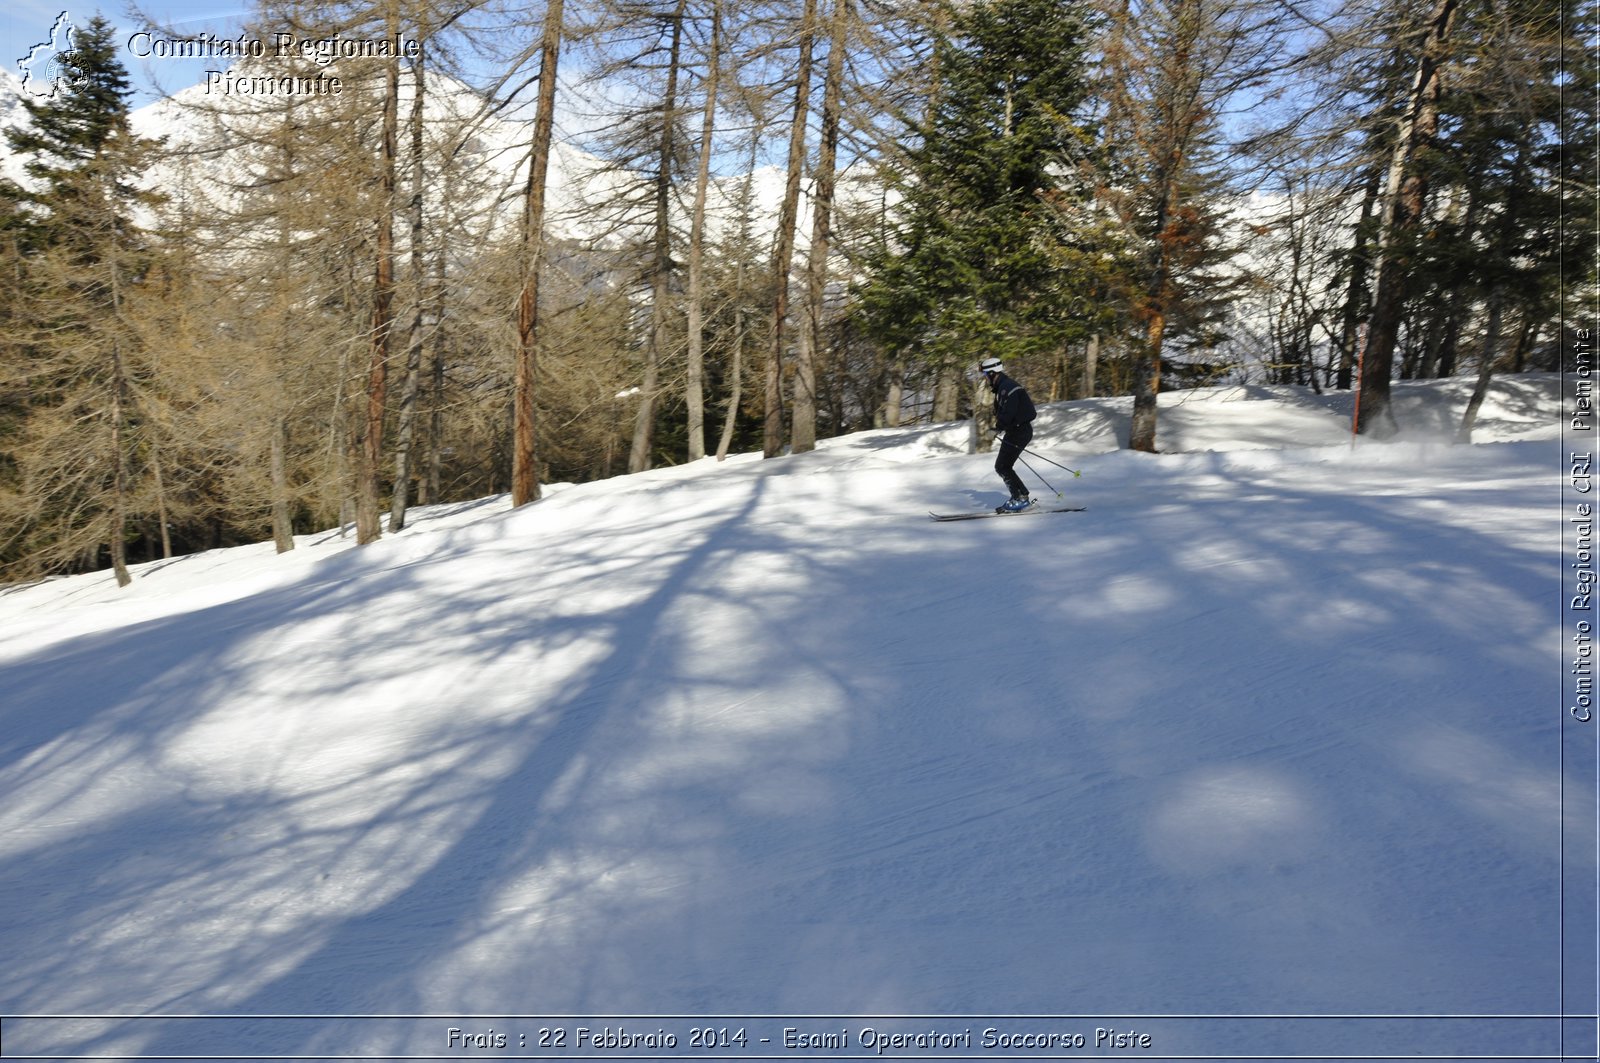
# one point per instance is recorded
(1272, 729)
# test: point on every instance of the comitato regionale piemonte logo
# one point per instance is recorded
(51, 64)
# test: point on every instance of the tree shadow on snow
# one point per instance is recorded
(1225, 743)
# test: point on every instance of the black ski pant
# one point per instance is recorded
(1011, 447)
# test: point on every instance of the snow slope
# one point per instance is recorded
(1272, 729)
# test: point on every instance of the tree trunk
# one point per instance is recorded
(803, 433)
(280, 506)
(1147, 371)
(736, 390)
(369, 525)
(896, 393)
(1519, 357)
(119, 460)
(1404, 195)
(1147, 385)
(163, 521)
(433, 487)
(694, 373)
(983, 429)
(524, 467)
(1486, 364)
(661, 258)
(1351, 332)
(1508, 225)
(947, 394)
(342, 438)
(788, 220)
(736, 369)
(120, 487)
(282, 520)
(413, 380)
(1178, 112)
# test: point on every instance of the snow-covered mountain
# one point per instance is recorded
(456, 119)
(12, 116)
(12, 113)
(582, 195)
(1271, 729)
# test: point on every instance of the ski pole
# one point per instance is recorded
(1041, 457)
(1042, 480)
(1057, 464)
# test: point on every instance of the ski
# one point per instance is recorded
(1019, 513)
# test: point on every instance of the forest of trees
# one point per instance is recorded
(800, 218)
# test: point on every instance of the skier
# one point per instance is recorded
(1013, 415)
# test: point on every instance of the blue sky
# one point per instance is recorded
(24, 23)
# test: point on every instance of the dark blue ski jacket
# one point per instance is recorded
(1012, 406)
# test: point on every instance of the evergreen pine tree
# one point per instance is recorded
(79, 252)
(973, 265)
(81, 157)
